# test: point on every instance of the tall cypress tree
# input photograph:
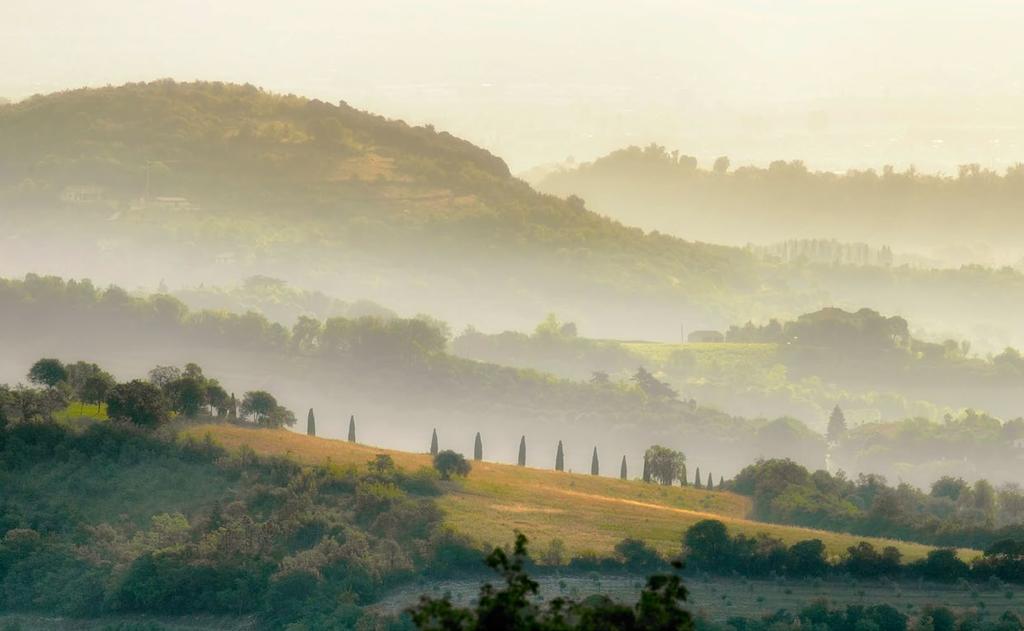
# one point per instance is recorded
(836, 425)
(478, 448)
(433, 443)
(682, 475)
(352, 428)
(522, 452)
(622, 470)
(310, 423)
(559, 458)
(233, 409)
(696, 479)
(711, 483)
(647, 470)
(721, 480)
(595, 466)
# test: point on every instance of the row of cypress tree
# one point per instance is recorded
(478, 454)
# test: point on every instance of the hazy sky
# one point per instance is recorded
(837, 83)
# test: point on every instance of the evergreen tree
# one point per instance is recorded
(559, 458)
(233, 409)
(721, 481)
(836, 425)
(352, 428)
(310, 423)
(522, 452)
(622, 470)
(711, 483)
(682, 476)
(433, 443)
(647, 470)
(595, 466)
(478, 448)
(696, 479)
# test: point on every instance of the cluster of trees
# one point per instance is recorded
(160, 526)
(865, 345)
(971, 444)
(658, 188)
(708, 546)
(881, 617)
(146, 403)
(952, 512)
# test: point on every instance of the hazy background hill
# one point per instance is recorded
(967, 217)
(211, 183)
(208, 181)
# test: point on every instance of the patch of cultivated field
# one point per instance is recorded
(719, 598)
(588, 513)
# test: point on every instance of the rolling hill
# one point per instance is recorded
(193, 181)
(589, 514)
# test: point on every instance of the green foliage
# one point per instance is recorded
(112, 519)
(953, 513)
(664, 465)
(449, 463)
(137, 402)
(48, 372)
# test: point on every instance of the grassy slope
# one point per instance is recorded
(587, 513)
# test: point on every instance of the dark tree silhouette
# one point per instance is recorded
(711, 482)
(352, 428)
(696, 479)
(653, 388)
(187, 395)
(449, 463)
(137, 402)
(664, 463)
(258, 403)
(96, 387)
(595, 466)
(647, 470)
(623, 474)
(47, 372)
(522, 452)
(836, 425)
(559, 458)
(433, 443)
(683, 481)
(478, 448)
(310, 423)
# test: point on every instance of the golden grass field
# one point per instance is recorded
(588, 513)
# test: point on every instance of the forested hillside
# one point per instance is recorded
(225, 178)
(396, 375)
(721, 202)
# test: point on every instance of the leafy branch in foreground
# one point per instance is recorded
(518, 606)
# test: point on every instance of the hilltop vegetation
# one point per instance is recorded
(665, 190)
(318, 188)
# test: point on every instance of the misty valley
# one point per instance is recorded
(275, 362)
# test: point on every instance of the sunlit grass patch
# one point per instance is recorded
(589, 514)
